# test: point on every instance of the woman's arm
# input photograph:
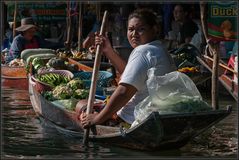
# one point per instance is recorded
(16, 47)
(89, 41)
(110, 53)
(116, 60)
(119, 98)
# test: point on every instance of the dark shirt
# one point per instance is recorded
(20, 43)
(188, 29)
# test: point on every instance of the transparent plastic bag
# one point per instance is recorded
(174, 92)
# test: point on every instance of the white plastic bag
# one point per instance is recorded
(174, 92)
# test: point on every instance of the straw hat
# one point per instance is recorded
(26, 23)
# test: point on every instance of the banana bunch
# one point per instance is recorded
(53, 79)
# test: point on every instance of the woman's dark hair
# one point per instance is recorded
(146, 15)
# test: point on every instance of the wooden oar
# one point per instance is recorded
(68, 40)
(94, 79)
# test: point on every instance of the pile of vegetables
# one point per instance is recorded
(72, 89)
(75, 54)
(37, 63)
(67, 95)
(16, 63)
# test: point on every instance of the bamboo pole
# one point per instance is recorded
(94, 79)
(80, 27)
(68, 40)
(14, 20)
(214, 50)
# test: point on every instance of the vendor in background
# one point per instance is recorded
(89, 41)
(183, 27)
(28, 39)
(132, 89)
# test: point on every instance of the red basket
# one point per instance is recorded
(41, 86)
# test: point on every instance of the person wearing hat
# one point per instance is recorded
(27, 39)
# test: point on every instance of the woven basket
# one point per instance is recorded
(104, 78)
(42, 86)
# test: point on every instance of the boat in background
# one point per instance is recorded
(13, 72)
(225, 75)
(14, 77)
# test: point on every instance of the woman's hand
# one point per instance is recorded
(104, 41)
(88, 120)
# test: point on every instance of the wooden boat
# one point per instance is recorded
(155, 132)
(226, 79)
(14, 77)
(16, 83)
(13, 72)
(80, 65)
(88, 65)
(186, 56)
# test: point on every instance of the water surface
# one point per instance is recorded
(25, 136)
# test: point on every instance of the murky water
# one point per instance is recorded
(25, 136)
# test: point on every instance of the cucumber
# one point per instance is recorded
(43, 56)
(28, 52)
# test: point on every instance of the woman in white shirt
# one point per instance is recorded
(148, 52)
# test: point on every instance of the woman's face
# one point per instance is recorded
(28, 34)
(139, 33)
(178, 13)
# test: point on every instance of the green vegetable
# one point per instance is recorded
(53, 79)
(81, 94)
(62, 92)
(69, 104)
(75, 84)
(41, 56)
(48, 95)
(36, 61)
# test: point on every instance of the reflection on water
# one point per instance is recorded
(26, 136)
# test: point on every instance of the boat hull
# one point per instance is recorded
(154, 133)
(13, 72)
(19, 83)
(14, 77)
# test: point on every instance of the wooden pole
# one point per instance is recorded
(80, 27)
(14, 20)
(215, 67)
(94, 79)
(68, 40)
(214, 50)
(222, 65)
